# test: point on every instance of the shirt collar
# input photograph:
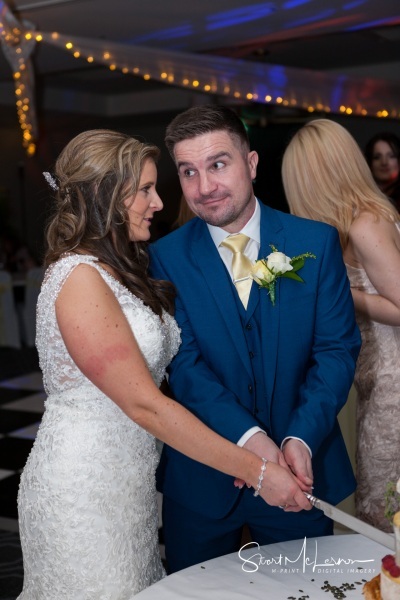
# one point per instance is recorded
(251, 229)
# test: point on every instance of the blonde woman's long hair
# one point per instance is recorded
(326, 178)
(95, 173)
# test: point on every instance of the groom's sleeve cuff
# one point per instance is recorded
(246, 436)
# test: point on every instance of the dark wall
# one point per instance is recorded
(25, 198)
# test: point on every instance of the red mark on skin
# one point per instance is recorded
(97, 366)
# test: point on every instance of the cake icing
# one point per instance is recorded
(386, 586)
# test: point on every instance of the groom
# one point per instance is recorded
(270, 377)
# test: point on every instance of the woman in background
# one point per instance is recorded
(326, 178)
(383, 157)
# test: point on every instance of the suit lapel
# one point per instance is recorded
(271, 232)
(217, 280)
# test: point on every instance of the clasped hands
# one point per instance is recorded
(288, 474)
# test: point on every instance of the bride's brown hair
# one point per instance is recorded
(95, 173)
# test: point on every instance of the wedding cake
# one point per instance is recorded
(386, 586)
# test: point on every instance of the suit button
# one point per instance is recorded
(249, 327)
(250, 388)
(251, 354)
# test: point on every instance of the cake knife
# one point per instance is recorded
(353, 523)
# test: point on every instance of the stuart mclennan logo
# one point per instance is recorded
(305, 560)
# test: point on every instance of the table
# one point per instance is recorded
(289, 570)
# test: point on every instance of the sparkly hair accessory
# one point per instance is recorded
(50, 180)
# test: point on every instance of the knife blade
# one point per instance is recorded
(353, 523)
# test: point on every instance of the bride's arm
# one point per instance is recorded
(101, 343)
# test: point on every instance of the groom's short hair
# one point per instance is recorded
(206, 118)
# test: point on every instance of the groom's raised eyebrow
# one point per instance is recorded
(210, 159)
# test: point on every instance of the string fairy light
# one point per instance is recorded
(251, 82)
(18, 43)
(241, 80)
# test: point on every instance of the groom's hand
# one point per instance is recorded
(297, 456)
(263, 446)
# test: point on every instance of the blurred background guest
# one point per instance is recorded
(326, 178)
(383, 156)
(15, 256)
(184, 215)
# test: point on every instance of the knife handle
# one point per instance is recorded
(312, 499)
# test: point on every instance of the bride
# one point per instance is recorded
(105, 335)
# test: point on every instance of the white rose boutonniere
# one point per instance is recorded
(267, 270)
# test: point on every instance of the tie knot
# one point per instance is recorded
(236, 243)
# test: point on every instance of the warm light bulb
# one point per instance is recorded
(31, 149)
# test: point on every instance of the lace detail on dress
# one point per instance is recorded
(157, 340)
(87, 499)
(377, 381)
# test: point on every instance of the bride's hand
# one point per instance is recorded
(281, 488)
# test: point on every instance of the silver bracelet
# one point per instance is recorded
(261, 477)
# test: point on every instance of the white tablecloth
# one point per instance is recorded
(294, 570)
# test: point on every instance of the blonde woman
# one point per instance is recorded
(326, 178)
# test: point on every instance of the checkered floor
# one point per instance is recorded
(21, 407)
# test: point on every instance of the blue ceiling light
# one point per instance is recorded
(325, 14)
(164, 34)
(240, 15)
(293, 4)
(354, 4)
(377, 23)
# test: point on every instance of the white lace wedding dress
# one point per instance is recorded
(87, 499)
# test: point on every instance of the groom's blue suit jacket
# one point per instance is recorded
(308, 344)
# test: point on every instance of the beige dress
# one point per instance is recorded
(377, 381)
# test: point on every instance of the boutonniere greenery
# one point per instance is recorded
(267, 270)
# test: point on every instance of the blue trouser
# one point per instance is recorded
(191, 538)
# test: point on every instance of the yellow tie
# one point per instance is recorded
(241, 265)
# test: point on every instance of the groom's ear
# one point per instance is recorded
(252, 160)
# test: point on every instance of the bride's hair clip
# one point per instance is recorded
(50, 180)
